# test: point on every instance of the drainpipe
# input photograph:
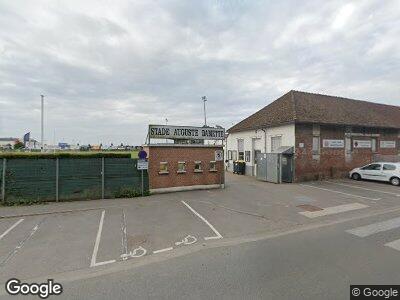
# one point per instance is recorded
(265, 139)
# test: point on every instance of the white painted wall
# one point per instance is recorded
(287, 132)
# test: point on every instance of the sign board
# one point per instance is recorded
(142, 164)
(333, 143)
(219, 155)
(186, 132)
(362, 144)
(388, 144)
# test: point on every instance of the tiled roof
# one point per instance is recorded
(302, 107)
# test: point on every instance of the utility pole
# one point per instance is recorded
(204, 98)
(41, 124)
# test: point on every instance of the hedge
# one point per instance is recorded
(35, 155)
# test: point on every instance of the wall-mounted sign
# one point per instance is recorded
(333, 143)
(388, 144)
(301, 145)
(362, 144)
(186, 133)
(219, 155)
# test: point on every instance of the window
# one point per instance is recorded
(372, 167)
(256, 153)
(163, 168)
(234, 155)
(315, 145)
(213, 166)
(276, 142)
(387, 167)
(197, 167)
(247, 156)
(241, 149)
(230, 154)
(181, 167)
(373, 144)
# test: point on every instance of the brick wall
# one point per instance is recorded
(188, 154)
(332, 162)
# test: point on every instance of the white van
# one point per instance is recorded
(382, 171)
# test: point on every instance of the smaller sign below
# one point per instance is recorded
(333, 143)
(362, 143)
(388, 144)
(142, 164)
(219, 155)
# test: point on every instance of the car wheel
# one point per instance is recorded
(395, 181)
(356, 176)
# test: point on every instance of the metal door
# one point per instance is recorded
(262, 166)
(287, 168)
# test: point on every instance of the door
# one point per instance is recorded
(287, 168)
(388, 170)
(372, 171)
(256, 153)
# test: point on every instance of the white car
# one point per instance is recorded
(382, 171)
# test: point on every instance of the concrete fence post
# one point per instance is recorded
(3, 181)
(102, 178)
(57, 177)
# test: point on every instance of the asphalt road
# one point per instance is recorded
(317, 262)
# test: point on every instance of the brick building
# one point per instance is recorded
(177, 167)
(330, 135)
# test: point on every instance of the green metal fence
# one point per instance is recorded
(58, 179)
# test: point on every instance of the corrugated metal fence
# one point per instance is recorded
(57, 179)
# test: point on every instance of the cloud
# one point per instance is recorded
(108, 70)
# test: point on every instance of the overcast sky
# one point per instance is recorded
(109, 68)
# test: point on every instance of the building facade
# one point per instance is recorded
(329, 135)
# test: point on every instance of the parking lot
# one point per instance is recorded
(91, 234)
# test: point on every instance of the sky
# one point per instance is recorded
(110, 68)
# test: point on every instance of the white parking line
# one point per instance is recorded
(21, 244)
(11, 228)
(394, 245)
(97, 243)
(217, 234)
(338, 192)
(362, 188)
(333, 210)
(367, 230)
(163, 250)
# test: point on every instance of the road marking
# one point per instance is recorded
(217, 234)
(364, 231)
(362, 188)
(11, 228)
(188, 240)
(134, 253)
(394, 245)
(338, 192)
(124, 237)
(163, 250)
(333, 210)
(93, 262)
(21, 244)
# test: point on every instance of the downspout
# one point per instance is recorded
(265, 139)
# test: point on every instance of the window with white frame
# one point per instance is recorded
(213, 166)
(197, 167)
(276, 142)
(181, 167)
(234, 155)
(163, 168)
(247, 156)
(241, 148)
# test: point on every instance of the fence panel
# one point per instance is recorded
(122, 179)
(30, 179)
(79, 178)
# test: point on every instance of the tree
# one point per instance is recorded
(18, 145)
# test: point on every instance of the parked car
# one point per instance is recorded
(382, 171)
